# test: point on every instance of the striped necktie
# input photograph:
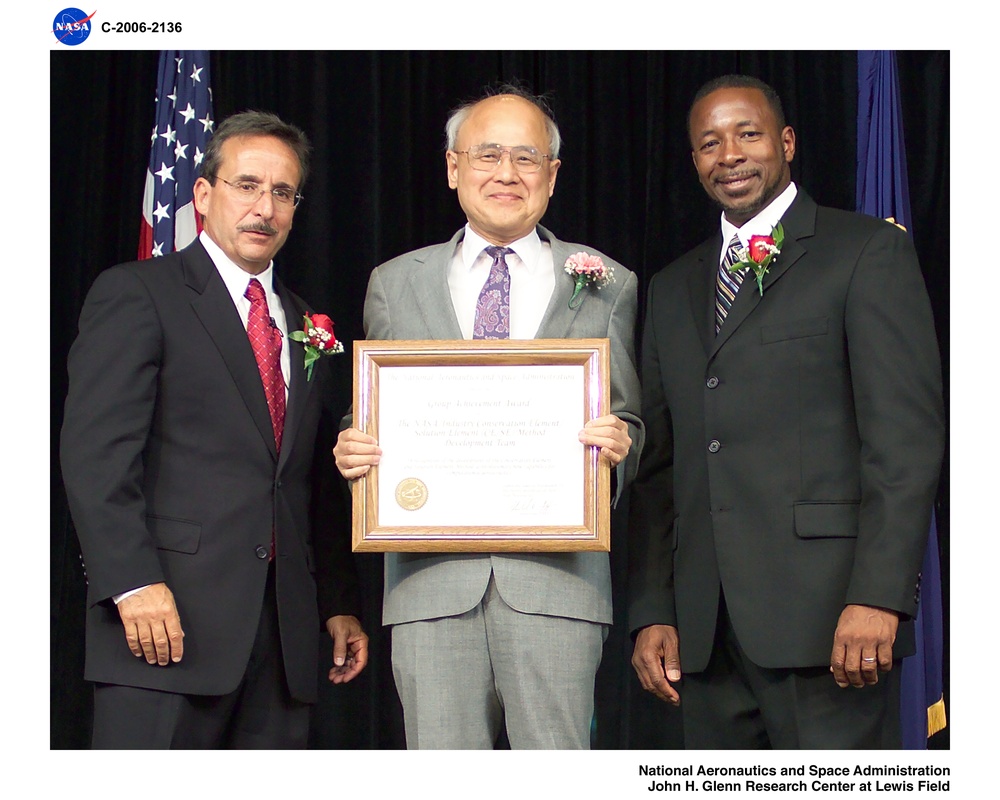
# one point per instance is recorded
(727, 283)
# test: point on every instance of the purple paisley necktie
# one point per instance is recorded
(493, 306)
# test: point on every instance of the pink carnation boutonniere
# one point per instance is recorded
(317, 338)
(760, 253)
(587, 270)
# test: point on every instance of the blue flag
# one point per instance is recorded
(184, 124)
(883, 191)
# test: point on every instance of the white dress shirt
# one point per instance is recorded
(759, 225)
(237, 280)
(532, 279)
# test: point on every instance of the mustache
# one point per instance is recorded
(258, 227)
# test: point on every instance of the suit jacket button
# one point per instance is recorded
(261, 552)
(712, 382)
(714, 446)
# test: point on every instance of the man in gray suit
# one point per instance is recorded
(484, 640)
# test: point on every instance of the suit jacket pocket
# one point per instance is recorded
(826, 520)
(796, 329)
(179, 535)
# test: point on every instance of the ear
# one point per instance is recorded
(202, 194)
(451, 158)
(788, 143)
(553, 169)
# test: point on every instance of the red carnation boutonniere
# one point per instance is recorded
(759, 255)
(587, 270)
(317, 338)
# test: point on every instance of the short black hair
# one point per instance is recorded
(740, 82)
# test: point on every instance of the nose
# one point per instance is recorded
(731, 152)
(506, 172)
(264, 205)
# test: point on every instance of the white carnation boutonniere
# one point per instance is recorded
(587, 270)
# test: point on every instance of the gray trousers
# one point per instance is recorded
(460, 678)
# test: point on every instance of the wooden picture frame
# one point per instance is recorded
(480, 448)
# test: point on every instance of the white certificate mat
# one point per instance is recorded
(480, 447)
(489, 445)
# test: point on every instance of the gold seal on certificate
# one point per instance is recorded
(411, 493)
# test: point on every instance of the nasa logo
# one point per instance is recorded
(71, 26)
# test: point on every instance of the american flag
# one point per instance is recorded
(183, 127)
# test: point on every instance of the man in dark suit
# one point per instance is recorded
(489, 641)
(187, 453)
(795, 437)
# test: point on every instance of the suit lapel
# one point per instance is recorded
(746, 301)
(558, 317)
(701, 291)
(433, 296)
(214, 307)
(799, 222)
(298, 387)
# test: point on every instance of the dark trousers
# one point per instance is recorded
(259, 714)
(736, 705)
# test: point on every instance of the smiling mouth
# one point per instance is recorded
(737, 182)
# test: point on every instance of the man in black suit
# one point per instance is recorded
(794, 443)
(187, 455)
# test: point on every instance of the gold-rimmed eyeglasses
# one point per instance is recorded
(487, 157)
(249, 192)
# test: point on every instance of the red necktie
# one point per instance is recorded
(265, 338)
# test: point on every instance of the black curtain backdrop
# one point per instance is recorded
(378, 188)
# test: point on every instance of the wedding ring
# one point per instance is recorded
(868, 660)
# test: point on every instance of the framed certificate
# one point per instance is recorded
(479, 445)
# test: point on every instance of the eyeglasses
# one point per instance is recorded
(248, 192)
(487, 157)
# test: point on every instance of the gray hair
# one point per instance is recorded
(255, 123)
(460, 114)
